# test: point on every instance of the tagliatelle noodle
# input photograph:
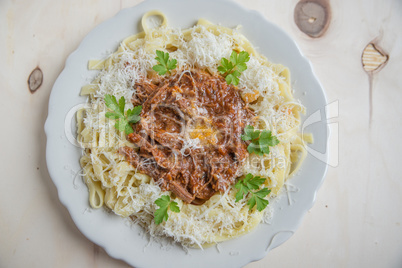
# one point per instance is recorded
(113, 182)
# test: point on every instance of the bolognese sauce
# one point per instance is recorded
(189, 136)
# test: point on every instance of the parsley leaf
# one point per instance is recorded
(242, 190)
(260, 141)
(164, 204)
(165, 65)
(257, 198)
(246, 185)
(231, 69)
(122, 122)
(133, 114)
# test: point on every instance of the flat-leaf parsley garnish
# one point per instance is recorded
(164, 204)
(231, 69)
(122, 121)
(246, 186)
(260, 141)
(165, 65)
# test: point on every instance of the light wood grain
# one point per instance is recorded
(373, 58)
(356, 221)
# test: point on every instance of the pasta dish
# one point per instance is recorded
(190, 132)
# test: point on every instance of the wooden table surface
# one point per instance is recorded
(356, 220)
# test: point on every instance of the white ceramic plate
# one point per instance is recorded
(128, 243)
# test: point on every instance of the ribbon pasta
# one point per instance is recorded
(114, 183)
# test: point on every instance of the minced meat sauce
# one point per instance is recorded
(189, 135)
